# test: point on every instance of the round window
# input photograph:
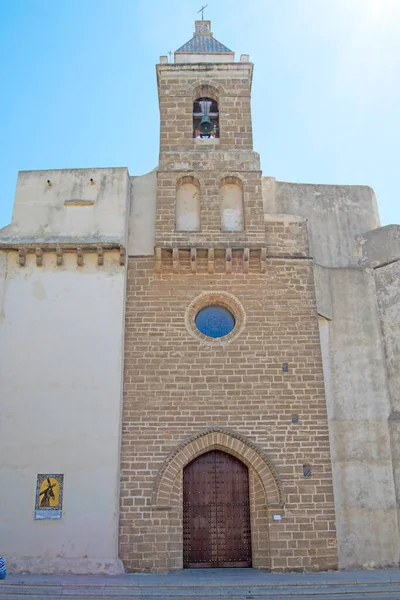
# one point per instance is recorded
(215, 321)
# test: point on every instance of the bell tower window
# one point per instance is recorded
(205, 118)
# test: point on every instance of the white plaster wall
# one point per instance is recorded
(40, 213)
(61, 368)
(358, 410)
(142, 219)
(336, 215)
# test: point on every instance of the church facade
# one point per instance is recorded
(199, 366)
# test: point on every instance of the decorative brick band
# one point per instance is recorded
(217, 438)
(204, 259)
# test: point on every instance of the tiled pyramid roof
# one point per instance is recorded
(203, 43)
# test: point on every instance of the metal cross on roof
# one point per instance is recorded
(202, 10)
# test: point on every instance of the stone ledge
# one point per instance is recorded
(379, 247)
(63, 566)
(200, 259)
(64, 248)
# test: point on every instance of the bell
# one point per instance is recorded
(205, 125)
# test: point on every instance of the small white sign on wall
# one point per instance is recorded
(277, 517)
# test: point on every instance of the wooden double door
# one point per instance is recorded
(216, 512)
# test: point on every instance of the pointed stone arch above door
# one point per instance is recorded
(167, 485)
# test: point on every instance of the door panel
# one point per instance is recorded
(216, 512)
(199, 520)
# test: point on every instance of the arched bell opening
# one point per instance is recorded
(205, 118)
(216, 512)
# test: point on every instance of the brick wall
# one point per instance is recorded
(287, 238)
(210, 222)
(178, 87)
(175, 387)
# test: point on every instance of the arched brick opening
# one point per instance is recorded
(211, 90)
(265, 489)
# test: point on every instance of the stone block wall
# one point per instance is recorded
(183, 397)
(286, 238)
(210, 220)
(179, 85)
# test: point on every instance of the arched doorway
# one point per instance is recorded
(216, 512)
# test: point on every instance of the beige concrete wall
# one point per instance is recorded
(60, 205)
(388, 294)
(379, 247)
(358, 411)
(142, 219)
(336, 214)
(61, 364)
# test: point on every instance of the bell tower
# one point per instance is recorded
(209, 180)
(221, 348)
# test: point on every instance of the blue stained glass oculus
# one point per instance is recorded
(215, 321)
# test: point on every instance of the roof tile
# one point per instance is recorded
(203, 44)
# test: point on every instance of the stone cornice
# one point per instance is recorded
(204, 258)
(80, 249)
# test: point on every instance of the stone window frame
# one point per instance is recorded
(217, 298)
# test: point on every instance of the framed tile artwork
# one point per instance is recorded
(49, 496)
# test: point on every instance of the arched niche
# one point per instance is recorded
(231, 204)
(188, 204)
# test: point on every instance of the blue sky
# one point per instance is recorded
(79, 86)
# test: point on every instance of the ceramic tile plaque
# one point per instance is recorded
(49, 495)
